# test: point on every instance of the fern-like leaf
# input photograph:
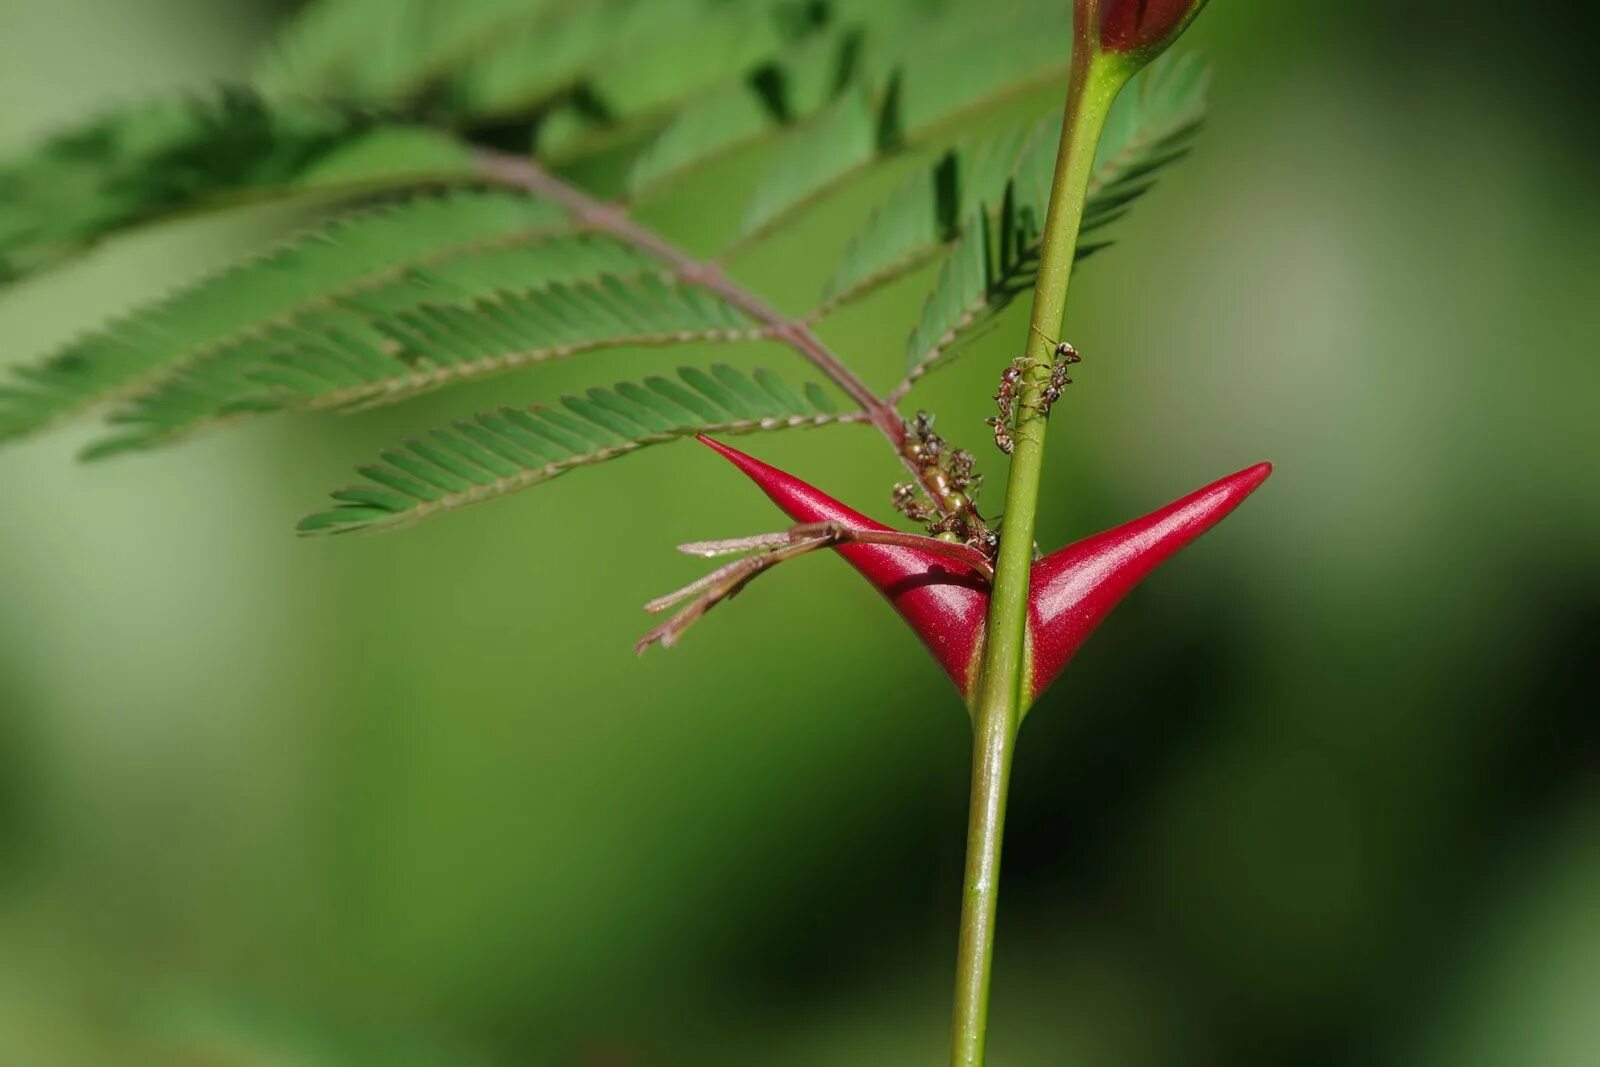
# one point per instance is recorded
(1151, 126)
(339, 359)
(591, 70)
(372, 260)
(997, 254)
(901, 56)
(189, 154)
(500, 452)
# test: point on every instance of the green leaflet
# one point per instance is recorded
(339, 357)
(190, 153)
(799, 83)
(915, 73)
(500, 452)
(384, 52)
(997, 253)
(481, 58)
(256, 299)
(971, 55)
(923, 214)
(704, 129)
(813, 159)
(1152, 125)
(659, 67)
(543, 58)
(960, 293)
(617, 60)
(917, 66)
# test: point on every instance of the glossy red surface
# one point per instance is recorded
(940, 599)
(1071, 590)
(1131, 25)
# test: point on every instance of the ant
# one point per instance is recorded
(1064, 356)
(946, 501)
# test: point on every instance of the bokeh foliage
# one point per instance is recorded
(1323, 792)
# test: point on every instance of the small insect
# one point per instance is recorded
(962, 471)
(1006, 398)
(1065, 356)
(1006, 401)
(906, 502)
(1002, 434)
(926, 446)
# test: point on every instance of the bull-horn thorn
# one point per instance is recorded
(1071, 591)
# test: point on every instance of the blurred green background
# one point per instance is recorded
(1324, 791)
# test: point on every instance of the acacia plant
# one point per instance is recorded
(448, 144)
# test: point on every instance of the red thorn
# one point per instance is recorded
(941, 600)
(1073, 590)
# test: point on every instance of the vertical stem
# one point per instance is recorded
(1002, 693)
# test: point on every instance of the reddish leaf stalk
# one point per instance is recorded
(588, 211)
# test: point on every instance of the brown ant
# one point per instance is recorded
(1064, 356)
(906, 502)
(945, 502)
(1006, 400)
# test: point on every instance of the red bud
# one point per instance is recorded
(1071, 591)
(1147, 26)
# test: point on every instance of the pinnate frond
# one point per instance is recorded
(924, 213)
(1152, 125)
(189, 154)
(896, 56)
(338, 359)
(453, 286)
(369, 260)
(500, 452)
(997, 254)
(717, 72)
(914, 75)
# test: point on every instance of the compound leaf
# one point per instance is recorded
(499, 452)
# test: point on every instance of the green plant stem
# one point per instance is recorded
(1002, 694)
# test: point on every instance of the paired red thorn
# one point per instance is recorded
(1071, 591)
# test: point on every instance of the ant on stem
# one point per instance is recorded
(1003, 423)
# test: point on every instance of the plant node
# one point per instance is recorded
(947, 502)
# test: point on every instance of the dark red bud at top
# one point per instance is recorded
(1144, 25)
(1070, 591)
